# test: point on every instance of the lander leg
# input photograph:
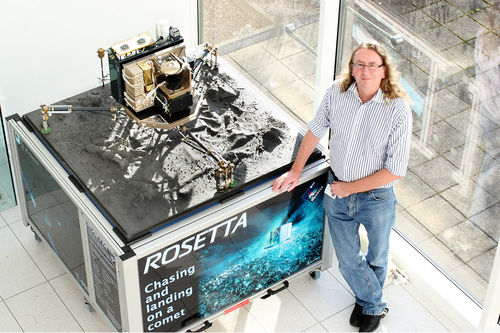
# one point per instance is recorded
(224, 174)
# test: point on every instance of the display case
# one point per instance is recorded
(137, 218)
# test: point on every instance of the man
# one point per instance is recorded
(370, 124)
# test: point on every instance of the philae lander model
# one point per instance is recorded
(155, 82)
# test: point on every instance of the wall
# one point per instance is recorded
(49, 48)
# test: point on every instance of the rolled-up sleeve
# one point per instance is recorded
(398, 149)
(320, 124)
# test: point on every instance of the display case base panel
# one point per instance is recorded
(220, 266)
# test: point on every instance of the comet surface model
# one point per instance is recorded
(153, 82)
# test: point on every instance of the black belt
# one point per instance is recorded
(334, 176)
(336, 179)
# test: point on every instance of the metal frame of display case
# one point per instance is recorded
(123, 257)
(11, 191)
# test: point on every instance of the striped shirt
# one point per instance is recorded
(365, 138)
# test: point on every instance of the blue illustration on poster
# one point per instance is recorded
(280, 239)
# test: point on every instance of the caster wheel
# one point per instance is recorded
(315, 274)
(89, 306)
(35, 234)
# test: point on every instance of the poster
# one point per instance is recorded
(215, 268)
(103, 266)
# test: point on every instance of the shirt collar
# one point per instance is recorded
(379, 95)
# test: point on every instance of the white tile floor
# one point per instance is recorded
(36, 294)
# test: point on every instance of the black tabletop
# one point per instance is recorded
(144, 179)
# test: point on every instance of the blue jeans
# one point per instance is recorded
(365, 273)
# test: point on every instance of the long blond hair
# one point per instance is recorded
(390, 84)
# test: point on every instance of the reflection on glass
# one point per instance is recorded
(274, 43)
(52, 212)
(450, 199)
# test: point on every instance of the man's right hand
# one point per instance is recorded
(286, 181)
(289, 180)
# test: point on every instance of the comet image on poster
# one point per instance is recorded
(282, 236)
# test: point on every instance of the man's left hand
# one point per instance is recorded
(340, 189)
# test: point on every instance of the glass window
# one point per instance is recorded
(274, 44)
(447, 53)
